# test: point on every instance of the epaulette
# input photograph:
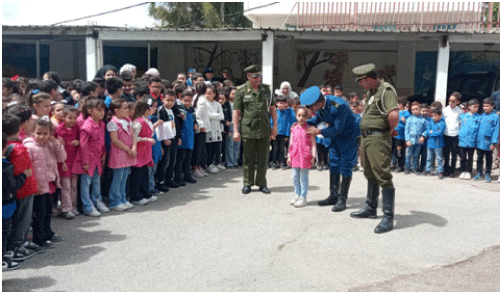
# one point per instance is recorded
(335, 104)
(241, 86)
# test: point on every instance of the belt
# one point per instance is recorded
(371, 132)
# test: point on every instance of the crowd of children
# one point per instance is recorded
(76, 147)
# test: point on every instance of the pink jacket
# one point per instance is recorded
(68, 135)
(44, 159)
(119, 158)
(91, 147)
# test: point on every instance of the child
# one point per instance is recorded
(214, 131)
(122, 154)
(155, 88)
(143, 132)
(203, 119)
(469, 126)
(185, 150)
(301, 157)
(10, 185)
(285, 119)
(69, 132)
(415, 127)
(226, 123)
(451, 115)
(45, 152)
(114, 87)
(435, 142)
(57, 111)
(399, 141)
(40, 103)
(25, 114)
(486, 139)
(90, 158)
(426, 113)
(232, 147)
(357, 116)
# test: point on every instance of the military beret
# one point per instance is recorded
(253, 69)
(209, 69)
(192, 70)
(310, 96)
(363, 70)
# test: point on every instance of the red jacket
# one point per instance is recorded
(21, 161)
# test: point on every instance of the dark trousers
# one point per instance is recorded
(42, 211)
(279, 148)
(183, 165)
(450, 146)
(6, 229)
(322, 154)
(213, 153)
(400, 152)
(161, 169)
(139, 183)
(223, 148)
(489, 160)
(106, 179)
(466, 159)
(423, 157)
(21, 222)
(199, 152)
(169, 175)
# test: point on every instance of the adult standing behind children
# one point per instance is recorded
(252, 103)
(377, 127)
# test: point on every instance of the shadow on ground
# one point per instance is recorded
(27, 285)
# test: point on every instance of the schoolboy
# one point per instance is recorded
(451, 115)
(487, 138)
(399, 146)
(426, 113)
(415, 127)
(435, 142)
(469, 127)
(155, 88)
(141, 90)
(128, 86)
(114, 86)
(353, 97)
(326, 89)
(185, 149)
(355, 109)
(285, 118)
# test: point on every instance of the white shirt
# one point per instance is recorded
(452, 120)
(171, 123)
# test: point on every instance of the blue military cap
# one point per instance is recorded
(192, 70)
(310, 96)
(209, 69)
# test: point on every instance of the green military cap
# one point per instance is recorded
(363, 70)
(254, 70)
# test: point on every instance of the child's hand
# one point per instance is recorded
(195, 127)
(151, 140)
(75, 143)
(228, 123)
(183, 116)
(286, 139)
(313, 161)
(167, 142)
(173, 124)
(180, 142)
(203, 130)
(492, 147)
(85, 167)
(28, 172)
(64, 166)
(421, 140)
(103, 158)
(157, 123)
(408, 143)
(289, 161)
(133, 152)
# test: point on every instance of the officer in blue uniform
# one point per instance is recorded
(341, 135)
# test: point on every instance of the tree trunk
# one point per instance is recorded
(307, 71)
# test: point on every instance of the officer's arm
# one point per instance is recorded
(237, 107)
(338, 125)
(315, 120)
(236, 120)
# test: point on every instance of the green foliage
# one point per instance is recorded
(198, 14)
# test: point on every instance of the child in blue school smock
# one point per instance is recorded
(469, 127)
(399, 146)
(486, 140)
(435, 142)
(415, 127)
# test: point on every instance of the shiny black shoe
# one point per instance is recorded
(162, 188)
(246, 190)
(190, 180)
(265, 190)
(172, 184)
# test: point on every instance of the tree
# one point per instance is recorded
(199, 14)
(308, 60)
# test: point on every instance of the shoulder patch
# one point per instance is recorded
(334, 104)
(241, 86)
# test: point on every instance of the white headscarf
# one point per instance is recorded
(291, 94)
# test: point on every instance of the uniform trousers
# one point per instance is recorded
(489, 160)
(376, 159)
(42, 211)
(450, 147)
(466, 159)
(255, 151)
(343, 156)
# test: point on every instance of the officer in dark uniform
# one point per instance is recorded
(252, 103)
(340, 136)
(377, 126)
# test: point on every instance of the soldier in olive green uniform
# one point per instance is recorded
(253, 102)
(377, 126)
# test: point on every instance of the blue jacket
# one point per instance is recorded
(488, 131)
(157, 146)
(187, 132)
(415, 127)
(285, 121)
(469, 126)
(401, 125)
(435, 134)
(342, 127)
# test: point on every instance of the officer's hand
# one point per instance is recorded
(408, 143)
(421, 140)
(236, 136)
(394, 133)
(313, 131)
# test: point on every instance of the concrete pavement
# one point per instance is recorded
(210, 237)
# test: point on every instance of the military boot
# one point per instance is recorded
(370, 209)
(334, 191)
(344, 192)
(387, 222)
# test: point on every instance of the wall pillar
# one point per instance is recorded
(268, 58)
(94, 55)
(37, 53)
(443, 61)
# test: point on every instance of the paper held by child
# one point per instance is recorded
(164, 131)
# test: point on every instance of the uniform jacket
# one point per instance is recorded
(488, 131)
(380, 102)
(435, 134)
(415, 127)
(68, 135)
(92, 147)
(469, 127)
(22, 161)
(44, 159)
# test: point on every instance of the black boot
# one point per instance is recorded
(334, 191)
(344, 192)
(387, 222)
(370, 209)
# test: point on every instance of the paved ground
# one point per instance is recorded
(210, 237)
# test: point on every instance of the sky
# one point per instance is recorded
(49, 12)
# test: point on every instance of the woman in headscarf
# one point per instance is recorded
(286, 90)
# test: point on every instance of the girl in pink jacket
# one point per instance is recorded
(90, 158)
(45, 152)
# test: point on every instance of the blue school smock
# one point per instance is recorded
(156, 148)
(187, 132)
(415, 127)
(469, 127)
(400, 128)
(435, 134)
(488, 131)
(284, 121)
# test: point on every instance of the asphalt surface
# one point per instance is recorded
(210, 237)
